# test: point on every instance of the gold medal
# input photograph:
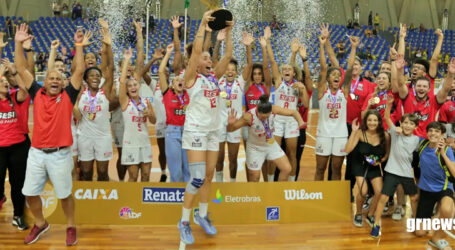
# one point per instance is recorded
(223, 94)
(376, 100)
(352, 96)
(228, 103)
(91, 116)
(333, 111)
(184, 108)
(270, 141)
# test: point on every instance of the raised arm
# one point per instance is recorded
(27, 45)
(324, 28)
(398, 70)
(221, 67)
(150, 112)
(19, 58)
(348, 76)
(437, 50)
(295, 44)
(388, 109)
(247, 40)
(401, 39)
(122, 95)
(216, 51)
(275, 71)
(2, 44)
(265, 64)
(306, 68)
(303, 93)
(140, 51)
(447, 86)
(22, 91)
(53, 54)
(322, 84)
(208, 39)
(157, 55)
(81, 40)
(106, 40)
(191, 70)
(162, 71)
(234, 123)
(177, 63)
(288, 112)
(353, 138)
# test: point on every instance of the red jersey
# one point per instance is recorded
(22, 109)
(10, 124)
(447, 112)
(359, 91)
(383, 96)
(252, 95)
(175, 107)
(426, 111)
(52, 117)
(410, 85)
(304, 111)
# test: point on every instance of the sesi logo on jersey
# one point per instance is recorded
(211, 93)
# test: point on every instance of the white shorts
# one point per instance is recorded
(231, 137)
(326, 146)
(57, 166)
(286, 129)
(256, 155)
(136, 155)
(74, 147)
(117, 132)
(200, 141)
(95, 148)
(245, 133)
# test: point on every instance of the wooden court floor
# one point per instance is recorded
(334, 235)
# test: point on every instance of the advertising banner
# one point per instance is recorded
(122, 203)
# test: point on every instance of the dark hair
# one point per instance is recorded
(264, 106)
(90, 69)
(358, 60)
(234, 62)
(379, 129)
(436, 125)
(411, 117)
(257, 66)
(331, 69)
(424, 78)
(96, 58)
(424, 63)
(59, 60)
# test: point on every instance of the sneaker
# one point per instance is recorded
(20, 223)
(386, 209)
(163, 178)
(71, 237)
(3, 200)
(205, 223)
(35, 233)
(366, 203)
(370, 220)
(375, 231)
(397, 214)
(358, 220)
(186, 236)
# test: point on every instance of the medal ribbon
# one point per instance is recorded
(355, 86)
(267, 129)
(182, 102)
(92, 101)
(333, 98)
(259, 87)
(381, 93)
(140, 104)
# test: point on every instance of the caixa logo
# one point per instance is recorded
(127, 213)
(162, 195)
(96, 194)
(292, 194)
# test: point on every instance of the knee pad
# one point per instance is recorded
(197, 177)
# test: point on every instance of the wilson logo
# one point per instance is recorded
(292, 194)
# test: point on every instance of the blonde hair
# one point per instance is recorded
(297, 71)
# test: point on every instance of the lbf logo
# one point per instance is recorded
(272, 214)
(127, 213)
(219, 197)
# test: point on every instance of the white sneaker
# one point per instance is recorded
(397, 214)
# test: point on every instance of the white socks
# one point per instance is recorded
(292, 178)
(186, 214)
(203, 209)
(219, 176)
(270, 177)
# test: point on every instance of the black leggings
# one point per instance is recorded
(14, 158)
(300, 147)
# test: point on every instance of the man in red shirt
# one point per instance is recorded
(447, 110)
(50, 154)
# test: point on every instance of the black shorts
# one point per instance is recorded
(427, 200)
(391, 182)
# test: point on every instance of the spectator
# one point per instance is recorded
(152, 24)
(425, 55)
(341, 50)
(422, 28)
(375, 31)
(368, 33)
(65, 10)
(376, 20)
(275, 24)
(418, 53)
(40, 61)
(357, 14)
(369, 75)
(57, 8)
(350, 25)
(445, 19)
(446, 61)
(9, 27)
(412, 27)
(370, 18)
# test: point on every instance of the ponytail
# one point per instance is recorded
(264, 106)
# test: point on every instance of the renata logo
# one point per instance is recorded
(211, 93)
(96, 194)
(287, 98)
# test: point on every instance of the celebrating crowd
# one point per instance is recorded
(397, 133)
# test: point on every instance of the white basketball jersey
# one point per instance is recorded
(116, 114)
(95, 115)
(256, 131)
(136, 131)
(202, 113)
(332, 115)
(157, 103)
(286, 97)
(234, 98)
(73, 125)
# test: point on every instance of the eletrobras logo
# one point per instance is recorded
(234, 199)
(162, 195)
(293, 194)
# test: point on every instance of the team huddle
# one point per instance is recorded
(387, 130)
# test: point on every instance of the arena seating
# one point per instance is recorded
(46, 29)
